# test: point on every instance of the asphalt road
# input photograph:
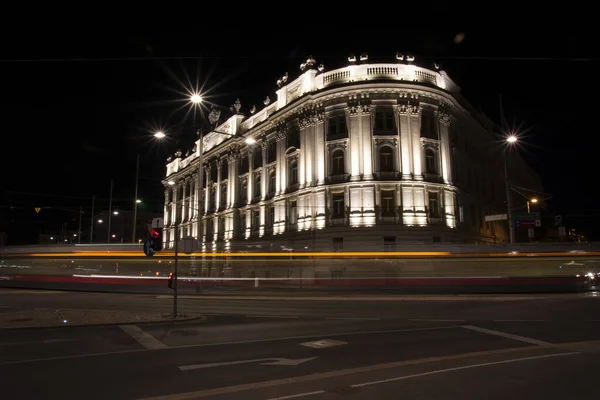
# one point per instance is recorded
(274, 348)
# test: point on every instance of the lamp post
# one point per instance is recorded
(213, 118)
(135, 198)
(510, 140)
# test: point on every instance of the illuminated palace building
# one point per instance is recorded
(357, 158)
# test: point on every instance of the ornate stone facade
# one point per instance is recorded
(375, 153)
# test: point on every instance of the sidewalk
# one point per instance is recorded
(46, 317)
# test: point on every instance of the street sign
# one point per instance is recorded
(528, 222)
(37, 209)
(157, 223)
(495, 217)
(526, 216)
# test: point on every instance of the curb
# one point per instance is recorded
(188, 319)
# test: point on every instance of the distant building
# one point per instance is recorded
(361, 157)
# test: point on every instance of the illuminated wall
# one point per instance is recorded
(372, 150)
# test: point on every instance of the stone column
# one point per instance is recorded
(414, 122)
(207, 191)
(445, 119)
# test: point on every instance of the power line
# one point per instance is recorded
(167, 58)
(103, 59)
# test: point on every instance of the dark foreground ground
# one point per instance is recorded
(284, 346)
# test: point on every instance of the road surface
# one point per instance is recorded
(273, 348)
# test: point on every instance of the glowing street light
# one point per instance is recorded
(171, 183)
(115, 213)
(160, 135)
(196, 98)
(100, 221)
(512, 139)
(250, 140)
(534, 200)
(138, 201)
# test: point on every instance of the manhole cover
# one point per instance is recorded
(20, 320)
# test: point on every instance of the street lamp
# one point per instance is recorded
(510, 140)
(160, 135)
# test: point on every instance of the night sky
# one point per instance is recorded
(78, 108)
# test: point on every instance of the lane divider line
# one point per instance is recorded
(507, 335)
(142, 337)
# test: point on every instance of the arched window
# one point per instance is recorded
(430, 161)
(293, 172)
(272, 186)
(386, 158)
(337, 162)
(257, 190)
(244, 192)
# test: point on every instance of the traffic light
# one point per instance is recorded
(148, 249)
(170, 280)
(157, 238)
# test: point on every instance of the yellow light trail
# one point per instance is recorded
(283, 255)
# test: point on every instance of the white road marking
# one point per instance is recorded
(355, 318)
(110, 353)
(142, 337)
(262, 361)
(439, 371)
(521, 320)
(271, 316)
(331, 374)
(295, 396)
(17, 291)
(5, 307)
(507, 335)
(321, 344)
(46, 341)
(436, 320)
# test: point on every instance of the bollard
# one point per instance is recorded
(255, 282)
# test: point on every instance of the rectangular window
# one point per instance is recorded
(294, 173)
(256, 222)
(257, 189)
(244, 192)
(336, 126)
(338, 205)
(384, 120)
(271, 152)
(338, 162)
(293, 212)
(272, 186)
(428, 125)
(271, 216)
(434, 205)
(388, 203)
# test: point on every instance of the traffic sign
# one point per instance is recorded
(558, 220)
(526, 216)
(495, 217)
(528, 222)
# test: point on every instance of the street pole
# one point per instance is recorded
(200, 211)
(511, 228)
(92, 220)
(110, 209)
(79, 230)
(135, 199)
(175, 272)
(530, 230)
